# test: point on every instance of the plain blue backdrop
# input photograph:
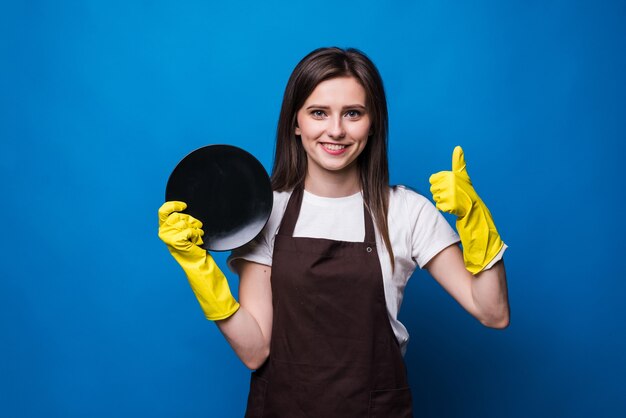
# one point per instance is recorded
(100, 99)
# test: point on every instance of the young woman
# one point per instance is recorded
(321, 286)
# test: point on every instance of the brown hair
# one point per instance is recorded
(290, 161)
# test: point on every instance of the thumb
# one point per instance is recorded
(458, 160)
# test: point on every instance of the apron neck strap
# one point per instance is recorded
(288, 224)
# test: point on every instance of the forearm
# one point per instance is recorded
(247, 326)
(490, 296)
(243, 333)
(249, 330)
(484, 294)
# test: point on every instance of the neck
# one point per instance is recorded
(333, 183)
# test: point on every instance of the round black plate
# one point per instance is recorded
(227, 189)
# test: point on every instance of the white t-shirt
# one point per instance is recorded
(417, 231)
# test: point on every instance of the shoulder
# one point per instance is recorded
(261, 248)
(281, 198)
(404, 199)
(280, 203)
(411, 210)
(278, 210)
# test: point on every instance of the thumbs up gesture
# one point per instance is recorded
(453, 193)
(452, 190)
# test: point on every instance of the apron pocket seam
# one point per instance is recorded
(387, 403)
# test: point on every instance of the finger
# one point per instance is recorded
(177, 223)
(458, 160)
(444, 207)
(435, 190)
(443, 204)
(191, 221)
(194, 235)
(168, 207)
(199, 241)
(442, 180)
(182, 221)
(436, 178)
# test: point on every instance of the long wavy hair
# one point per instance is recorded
(290, 160)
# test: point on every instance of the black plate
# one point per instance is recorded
(227, 189)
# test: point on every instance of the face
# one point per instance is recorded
(334, 125)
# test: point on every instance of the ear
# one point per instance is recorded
(298, 130)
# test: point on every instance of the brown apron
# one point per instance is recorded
(333, 352)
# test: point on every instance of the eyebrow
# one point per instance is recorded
(353, 106)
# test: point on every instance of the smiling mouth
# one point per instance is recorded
(333, 147)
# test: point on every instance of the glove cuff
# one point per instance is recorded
(227, 311)
(210, 287)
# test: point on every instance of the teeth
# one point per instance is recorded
(334, 147)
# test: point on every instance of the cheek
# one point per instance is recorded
(361, 132)
(310, 129)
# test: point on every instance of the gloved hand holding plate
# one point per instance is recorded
(228, 190)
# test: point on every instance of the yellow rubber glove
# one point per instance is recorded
(182, 233)
(453, 193)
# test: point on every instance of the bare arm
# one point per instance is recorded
(249, 330)
(484, 295)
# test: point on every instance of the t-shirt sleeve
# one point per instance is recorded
(258, 250)
(431, 232)
(261, 248)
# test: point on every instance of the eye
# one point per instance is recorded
(318, 114)
(354, 114)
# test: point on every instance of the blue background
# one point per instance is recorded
(100, 100)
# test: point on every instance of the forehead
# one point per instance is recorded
(340, 90)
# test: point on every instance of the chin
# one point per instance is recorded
(339, 167)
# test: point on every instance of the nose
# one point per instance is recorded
(335, 128)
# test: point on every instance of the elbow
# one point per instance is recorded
(501, 324)
(256, 360)
(500, 321)
(255, 363)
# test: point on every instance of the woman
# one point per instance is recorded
(321, 286)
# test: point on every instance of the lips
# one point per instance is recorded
(334, 149)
